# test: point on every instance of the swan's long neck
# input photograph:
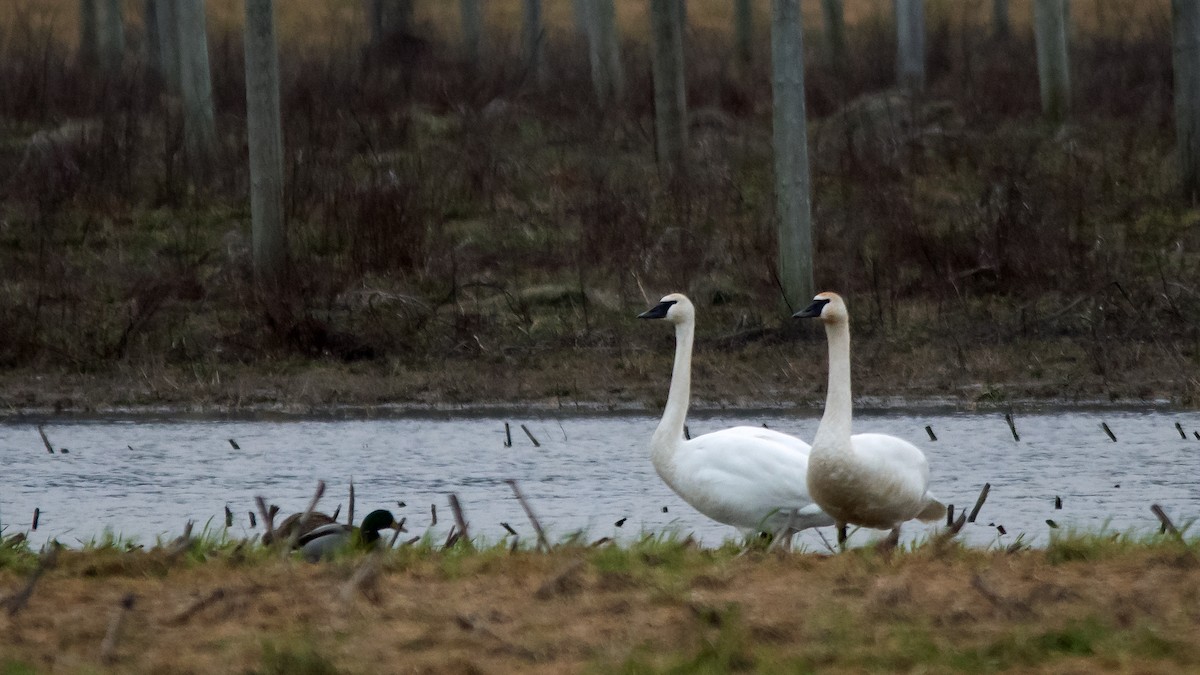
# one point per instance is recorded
(670, 430)
(834, 430)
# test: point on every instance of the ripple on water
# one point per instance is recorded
(589, 472)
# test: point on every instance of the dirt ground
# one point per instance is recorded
(980, 375)
(1071, 609)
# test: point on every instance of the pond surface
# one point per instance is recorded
(144, 478)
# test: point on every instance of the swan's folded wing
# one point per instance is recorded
(745, 477)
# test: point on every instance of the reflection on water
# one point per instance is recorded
(145, 479)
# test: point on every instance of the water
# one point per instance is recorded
(144, 478)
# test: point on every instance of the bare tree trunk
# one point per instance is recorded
(151, 39)
(582, 11)
(743, 30)
(604, 51)
(835, 33)
(1001, 24)
(265, 139)
(910, 44)
(195, 82)
(472, 29)
(1186, 48)
(533, 36)
(1050, 35)
(166, 16)
(112, 36)
(670, 91)
(89, 29)
(792, 184)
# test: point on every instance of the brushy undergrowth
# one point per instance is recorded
(437, 213)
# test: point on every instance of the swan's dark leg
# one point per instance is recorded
(841, 529)
(889, 543)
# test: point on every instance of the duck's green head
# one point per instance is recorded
(375, 521)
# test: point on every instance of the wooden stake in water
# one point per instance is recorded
(949, 515)
(1012, 427)
(1179, 428)
(530, 435)
(979, 502)
(433, 514)
(45, 441)
(350, 509)
(1104, 426)
(37, 513)
(1057, 503)
(507, 436)
(508, 528)
(929, 430)
(228, 517)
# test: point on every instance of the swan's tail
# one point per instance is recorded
(933, 511)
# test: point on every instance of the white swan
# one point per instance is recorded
(872, 480)
(749, 477)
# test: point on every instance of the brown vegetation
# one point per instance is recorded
(449, 222)
(1082, 606)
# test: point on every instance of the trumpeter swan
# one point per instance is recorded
(872, 480)
(749, 477)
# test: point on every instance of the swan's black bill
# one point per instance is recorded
(658, 311)
(812, 310)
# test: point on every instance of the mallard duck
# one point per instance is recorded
(324, 541)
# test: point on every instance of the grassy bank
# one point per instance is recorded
(1086, 603)
(461, 236)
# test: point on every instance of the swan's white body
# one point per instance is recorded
(872, 480)
(748, 477)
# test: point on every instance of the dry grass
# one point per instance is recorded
(660, 606)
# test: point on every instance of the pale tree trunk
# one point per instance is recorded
(388, 17)
(265, 140)
(1001, 24)
(472, 30)
(166, 16)
(1054, 77)
(1185, 30)
(112, 36)
(533, 37)
(835, 33)
(151, 40)
(743, 31)
(910, 44)
(604, 51)
(670, 91)
(195, 83)
(582, 11)
(792, 184)
(89, 30)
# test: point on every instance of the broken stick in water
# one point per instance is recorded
(929, 430)
(507, 436)
(537, 527)
(1104, 426)
(45, 441)
(983, 494)
(530, 435)
(1179, 428)
(1167, 525)
(1012, 427)
(459, 519)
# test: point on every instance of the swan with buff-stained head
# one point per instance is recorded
(749, 477)
(871, 480)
